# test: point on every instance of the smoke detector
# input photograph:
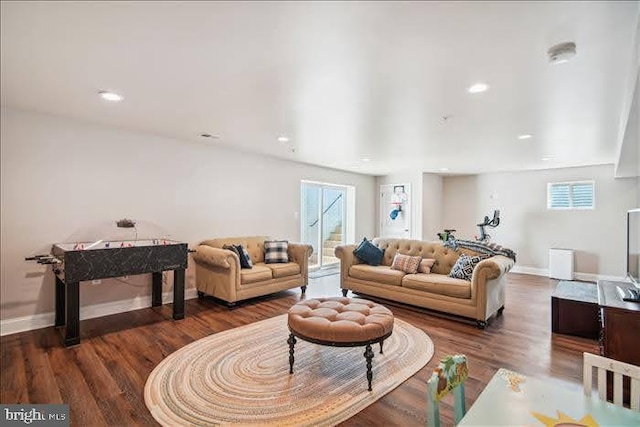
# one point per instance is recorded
(561, 53)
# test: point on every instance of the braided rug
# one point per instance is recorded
(241, 376)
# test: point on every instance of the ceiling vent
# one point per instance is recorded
(562, 52)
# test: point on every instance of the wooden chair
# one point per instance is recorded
(449, 376)
(620, 370)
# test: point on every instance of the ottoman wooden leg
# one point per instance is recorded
(368, 354)
(292, 342)
(381, 342)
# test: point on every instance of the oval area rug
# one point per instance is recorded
(241, 376)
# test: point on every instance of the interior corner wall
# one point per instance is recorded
(597, 236)
(60, 176)
(415, 179)
(432, 206)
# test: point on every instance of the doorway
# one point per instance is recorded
(324, 218)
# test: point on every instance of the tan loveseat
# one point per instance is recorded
(218, 271)
(478, 299)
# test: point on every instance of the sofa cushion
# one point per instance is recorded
(438, 284)
(407, 263)
(425, 265)
(380, 273)
(368, 253)
(284, 269)
(463, 268)
(258, 273)
(275, 251)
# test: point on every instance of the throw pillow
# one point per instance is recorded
(425, 265)
(245, 258)
(369, 253)
(407, 263)
(275, 251)
(463, 268)
(232, 249)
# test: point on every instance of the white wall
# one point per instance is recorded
(60, 176)
(432, 206)
(529, 228)
(413, 178)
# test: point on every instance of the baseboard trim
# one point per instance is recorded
(585, 277)
(44, 320)
(530, 270)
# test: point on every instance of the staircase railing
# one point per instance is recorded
(332, 215)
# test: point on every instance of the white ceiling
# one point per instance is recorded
(344, 81)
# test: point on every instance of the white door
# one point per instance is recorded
(395, 210)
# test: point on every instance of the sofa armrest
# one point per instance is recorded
(216, 257)
(300, 253)
(488, 285)
(492, 268)
(347, 259)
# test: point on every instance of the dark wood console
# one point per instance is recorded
(619, 325)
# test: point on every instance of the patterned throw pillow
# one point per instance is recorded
(407, 263)
(463, 268)
(245, 258)
(368, 253)
(243, 255)
(425, 265)
(275, 251)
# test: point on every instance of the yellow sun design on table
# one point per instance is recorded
(565, 420)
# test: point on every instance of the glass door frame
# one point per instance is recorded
(321, 186)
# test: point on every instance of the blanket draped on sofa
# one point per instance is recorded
(491, 249)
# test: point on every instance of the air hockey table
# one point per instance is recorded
(77, 262)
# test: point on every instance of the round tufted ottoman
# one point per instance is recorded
(340, 322)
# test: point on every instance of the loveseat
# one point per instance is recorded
(478, 299)
(219, 273)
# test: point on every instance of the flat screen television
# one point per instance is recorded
(633, 246)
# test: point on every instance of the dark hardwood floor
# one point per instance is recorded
(103, 378)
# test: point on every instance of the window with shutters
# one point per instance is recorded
(570, 195)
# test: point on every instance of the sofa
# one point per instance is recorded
(219, 273)
(478, 299)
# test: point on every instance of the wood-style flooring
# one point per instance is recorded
(103, 378)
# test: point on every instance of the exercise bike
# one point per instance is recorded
(484, 237)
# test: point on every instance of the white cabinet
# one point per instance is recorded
(561, 264)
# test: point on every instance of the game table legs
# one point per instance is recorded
(178, 294)
(156, 289)
(72, 330)
(60, 302)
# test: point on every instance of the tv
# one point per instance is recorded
(633, 246)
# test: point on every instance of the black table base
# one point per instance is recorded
(68, 303)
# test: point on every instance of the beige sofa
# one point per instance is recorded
(478, 299)
(219, 275)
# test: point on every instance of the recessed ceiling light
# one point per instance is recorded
(365, 159)
(283, 139)
(546, 159)
(444, 169)
(208, 135)
(525, 136)
(110, 96)
(478, 87)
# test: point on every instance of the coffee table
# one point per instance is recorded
(340, 322)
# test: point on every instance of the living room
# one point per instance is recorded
(71, 161)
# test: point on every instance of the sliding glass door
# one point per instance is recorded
(323, 221)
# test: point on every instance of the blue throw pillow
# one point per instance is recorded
(369, 253)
